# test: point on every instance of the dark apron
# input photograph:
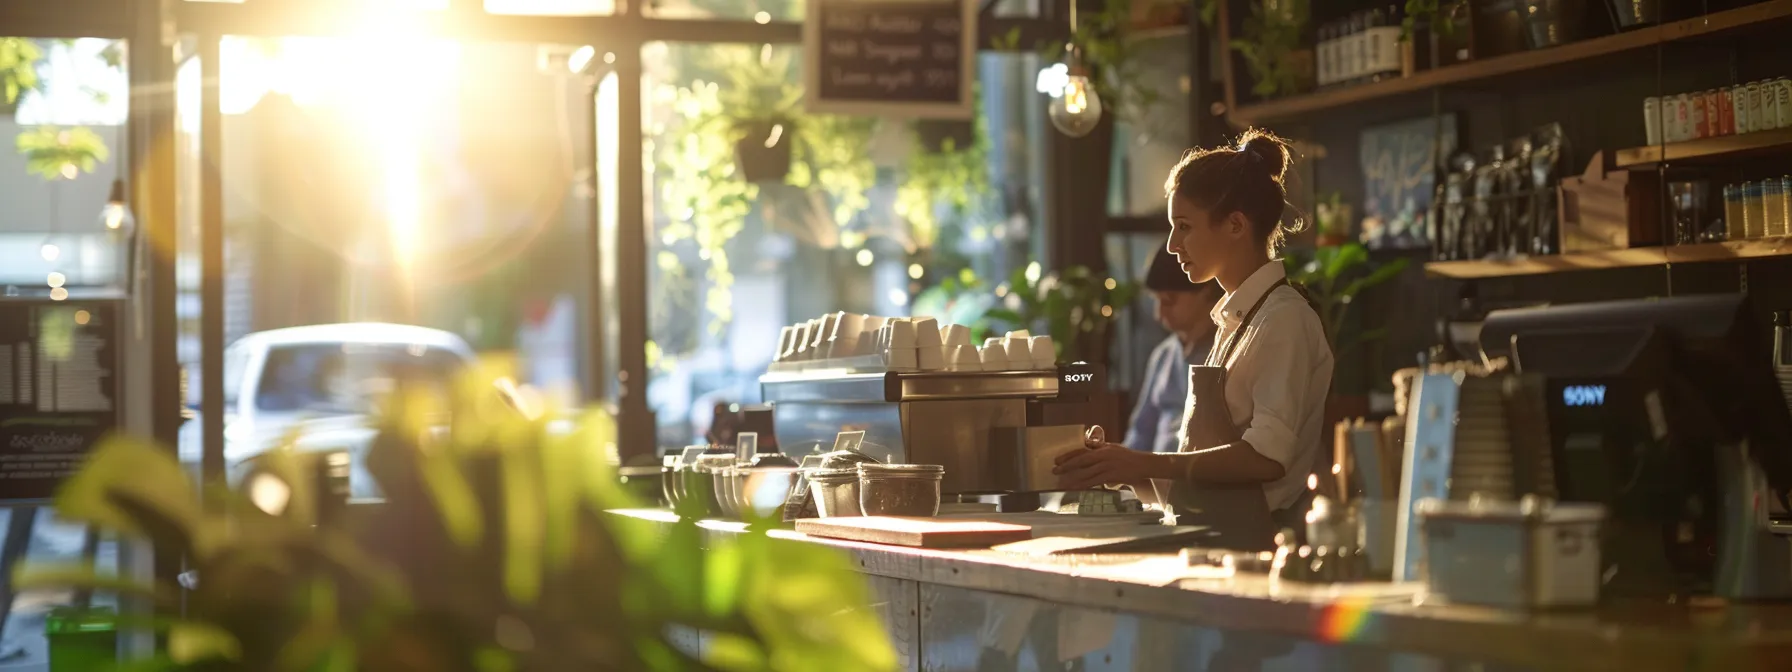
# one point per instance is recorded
(1237, 514)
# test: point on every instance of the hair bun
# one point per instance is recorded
(1267, 149)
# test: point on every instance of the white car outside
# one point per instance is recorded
(322, 381)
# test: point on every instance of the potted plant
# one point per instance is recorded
(716, 166)
(1332, 221)
(1147, 15)
(760, 105)
(1434, 34)
(1274, 49)
(945, 136)
(1333, 278)
(495, 550)
(943, 171)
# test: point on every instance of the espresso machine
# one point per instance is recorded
(984, 427)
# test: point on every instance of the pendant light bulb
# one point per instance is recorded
(1077, 108)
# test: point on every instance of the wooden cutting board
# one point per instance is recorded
(916, 532)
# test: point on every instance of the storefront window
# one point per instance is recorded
(63, 145)
(393, 209)
(62, 116)
(848, 214)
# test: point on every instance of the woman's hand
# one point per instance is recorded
(1104, 463)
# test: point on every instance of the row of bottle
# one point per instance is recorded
(1363, 47)
(1758, 209)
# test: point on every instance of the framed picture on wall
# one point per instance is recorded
(1400, 166)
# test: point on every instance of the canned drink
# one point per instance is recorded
(1770, 107)
(1676, 115)
(1712, 127)
(1782, 93)
(1755, 122)
(1726, 112)
(1652, 119)
(1695, 105)
(1739, 96)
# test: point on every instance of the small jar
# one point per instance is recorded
(836, 492)
(900, 489)
(1754, 211)
(1733, 212)
(1774, 200)
(1786, 204)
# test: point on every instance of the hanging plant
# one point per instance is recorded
(720, 158)
(56, 153)
(949, 175)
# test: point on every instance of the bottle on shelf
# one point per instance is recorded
(1355, 50)
(1326, 59)
(1383, 37)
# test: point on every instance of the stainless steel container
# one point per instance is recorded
(836, 492)
(1530, 554)
(900, 489)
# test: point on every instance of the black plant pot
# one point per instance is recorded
(935, 134)
(1552, 23)
(764, 151)
(1630, 14)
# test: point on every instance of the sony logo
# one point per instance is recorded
(1078, 377)
(1583, 395)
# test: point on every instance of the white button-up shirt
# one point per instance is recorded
(1278, 379)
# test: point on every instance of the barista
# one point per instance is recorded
(1271, 365)
(1186, 310)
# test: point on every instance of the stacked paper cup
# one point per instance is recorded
(843, 341)
(1018, 351)
(930, 351)
(959, 353)
(896, 340)
(785, 335)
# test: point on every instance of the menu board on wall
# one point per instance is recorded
(905, 58)
(58, 392)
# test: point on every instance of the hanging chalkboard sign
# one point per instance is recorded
(906, 58)
(58, 391)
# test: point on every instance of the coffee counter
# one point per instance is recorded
(979, 609)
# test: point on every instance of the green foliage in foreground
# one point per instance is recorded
(494, 552)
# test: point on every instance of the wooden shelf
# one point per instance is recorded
(1488, 68)
(1780, 246)
(1705, 150)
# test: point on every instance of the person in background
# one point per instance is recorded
(1186, 310)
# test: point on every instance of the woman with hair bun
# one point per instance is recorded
(1252, 427)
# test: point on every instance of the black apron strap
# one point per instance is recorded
(1232, 341)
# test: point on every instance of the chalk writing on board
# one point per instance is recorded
(901, 56)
